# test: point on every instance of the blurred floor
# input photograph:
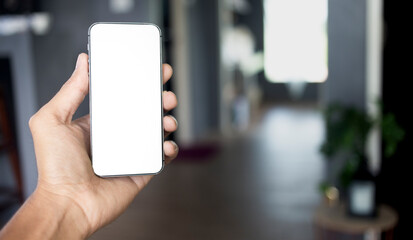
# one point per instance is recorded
(260, 186)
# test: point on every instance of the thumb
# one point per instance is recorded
(65, 103)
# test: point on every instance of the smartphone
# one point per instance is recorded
(125, 98)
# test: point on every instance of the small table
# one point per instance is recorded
(334, 223)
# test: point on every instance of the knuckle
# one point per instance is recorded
(34, 121)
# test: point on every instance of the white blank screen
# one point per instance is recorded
(126, 102)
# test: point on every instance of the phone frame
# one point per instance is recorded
(161, 96)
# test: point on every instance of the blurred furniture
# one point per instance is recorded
(8, 147)
(335, 223)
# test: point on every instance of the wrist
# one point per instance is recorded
(65, 216)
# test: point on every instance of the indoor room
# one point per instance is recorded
(291, 119)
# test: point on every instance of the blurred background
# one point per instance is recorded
(293, 117)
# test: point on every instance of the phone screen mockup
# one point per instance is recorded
(125, 72)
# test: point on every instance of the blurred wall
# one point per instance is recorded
(203, 66)
(347, 53)
(346, 62)
(195, 47)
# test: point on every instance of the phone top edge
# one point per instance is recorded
(126, 23)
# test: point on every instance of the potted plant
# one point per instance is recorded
(347, 132)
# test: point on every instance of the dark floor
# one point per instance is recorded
(260, 186)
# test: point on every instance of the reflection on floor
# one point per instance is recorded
(262, 186)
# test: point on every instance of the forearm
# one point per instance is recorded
(46, 217)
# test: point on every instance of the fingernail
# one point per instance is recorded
(176, 121)
(78, 61)
(175, 145)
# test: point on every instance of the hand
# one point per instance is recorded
(66, 177)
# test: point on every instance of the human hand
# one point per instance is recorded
(63, 157)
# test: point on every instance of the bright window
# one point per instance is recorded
(295, 41)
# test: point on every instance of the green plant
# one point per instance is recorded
(347, 130)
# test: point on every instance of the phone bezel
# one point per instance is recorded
(161, 96)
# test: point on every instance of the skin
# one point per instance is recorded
(70, 201)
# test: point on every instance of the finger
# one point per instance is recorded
(170, 124)
(171, 150)
(167, 72)
(169, 100)
(65, 103)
